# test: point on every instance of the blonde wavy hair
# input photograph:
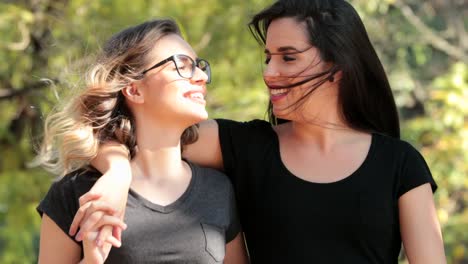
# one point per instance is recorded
(73, 133)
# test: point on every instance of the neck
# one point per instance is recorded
(159, 151)
(325, 138)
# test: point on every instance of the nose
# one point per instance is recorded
(270, 70)
(200, 76)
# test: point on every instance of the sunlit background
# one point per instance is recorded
(45, 46)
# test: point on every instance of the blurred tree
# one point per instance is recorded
(424, 47)
(46, 46)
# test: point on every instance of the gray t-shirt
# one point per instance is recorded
(193, 229)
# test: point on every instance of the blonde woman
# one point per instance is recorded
(147, 90)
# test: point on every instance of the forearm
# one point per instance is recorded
(206, 151)
(112, 187)
(113, 161)
(111, 156)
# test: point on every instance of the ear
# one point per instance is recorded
(133, 93)
(336, 76)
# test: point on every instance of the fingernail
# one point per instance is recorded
(78, 236)
(99, 243)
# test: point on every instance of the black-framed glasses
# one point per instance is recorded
(185, 66)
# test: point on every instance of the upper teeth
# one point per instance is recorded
(278, 91)
(197, 95)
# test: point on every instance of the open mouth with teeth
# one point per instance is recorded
(277, 94)
(197, 97)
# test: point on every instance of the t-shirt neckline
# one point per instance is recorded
(350, 177)
(174, 205)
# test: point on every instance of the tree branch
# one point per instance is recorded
(9, 93)
(430, 35)
(25, 38)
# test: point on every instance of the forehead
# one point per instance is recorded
(285, 32)
(170, 45)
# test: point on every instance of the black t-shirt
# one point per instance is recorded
(289, 220)
(193, 229)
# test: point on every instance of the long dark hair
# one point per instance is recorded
(336, 30)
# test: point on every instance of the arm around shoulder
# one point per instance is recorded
(111, 156)
(112, 160)
(206, 151)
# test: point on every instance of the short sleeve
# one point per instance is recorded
(61, 201)
(60, 204)
(238, 140)
(230, 136)
(415, 172)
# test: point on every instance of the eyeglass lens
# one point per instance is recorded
(186, 66)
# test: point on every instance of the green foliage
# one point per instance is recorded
(431, 89)
(443, 136)
(18, 217)
(57, 40)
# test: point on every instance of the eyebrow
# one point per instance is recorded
(284, 49)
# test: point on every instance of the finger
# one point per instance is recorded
(104, 220)
(77, 219)
(87, 226)
(104, 234)
(89, 196)
(86, 210)
(113, 241)
(108, 223)
(84, 203)
(90, 236)
(117, 233)
(101, 206)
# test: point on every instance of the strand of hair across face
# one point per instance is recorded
(330, 72)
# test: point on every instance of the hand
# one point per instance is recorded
(97, 215)
(111, 188)
(95, 253)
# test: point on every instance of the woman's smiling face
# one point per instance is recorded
(168, 95)
(290, 59)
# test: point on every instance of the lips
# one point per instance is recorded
(196, 96)
(277, 93)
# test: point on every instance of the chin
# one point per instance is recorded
(199, 116)
(203, 114)
(282, 114)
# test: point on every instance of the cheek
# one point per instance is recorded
(161, 85)
(165, 93)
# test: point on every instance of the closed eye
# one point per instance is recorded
(288, 58)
